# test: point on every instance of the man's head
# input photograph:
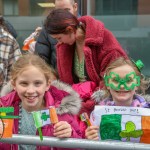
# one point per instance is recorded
(69, 5)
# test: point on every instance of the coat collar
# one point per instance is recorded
(94, 36)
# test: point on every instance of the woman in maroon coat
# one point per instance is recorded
(85, 48)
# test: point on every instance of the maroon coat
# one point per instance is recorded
(100, 49)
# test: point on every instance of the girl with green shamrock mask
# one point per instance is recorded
(122, 80)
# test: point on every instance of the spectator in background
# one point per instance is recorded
(9, 28)
(45, 45)
(9, 50)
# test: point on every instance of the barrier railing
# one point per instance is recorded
(74, 143)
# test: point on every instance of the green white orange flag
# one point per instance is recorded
(44, 117)
(129, 124)
(41, 118)
(6, 121)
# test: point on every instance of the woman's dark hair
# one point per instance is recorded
(58, 20)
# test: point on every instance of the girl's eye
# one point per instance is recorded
(114, 80)
(38, 83)
(129, 80)
(23, 83)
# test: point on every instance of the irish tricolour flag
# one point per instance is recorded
(41, 118)
(122, 123)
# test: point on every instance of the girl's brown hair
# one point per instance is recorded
(123, 61)
(28, 60)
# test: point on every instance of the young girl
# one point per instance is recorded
(122, 79)
(34, 91)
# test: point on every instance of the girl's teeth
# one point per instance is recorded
(31, 98)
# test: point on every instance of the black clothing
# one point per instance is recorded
(45, 48)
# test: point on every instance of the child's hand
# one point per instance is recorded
(91, 133)
(62, 129)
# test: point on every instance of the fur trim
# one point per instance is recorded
(6, 89)
(98, 95)
(70, 104)
(146, 97)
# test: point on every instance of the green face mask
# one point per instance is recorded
(130, 81)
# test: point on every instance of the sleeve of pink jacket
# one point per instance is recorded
(85, 90)
(71, 119)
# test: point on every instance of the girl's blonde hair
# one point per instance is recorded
(28, 60)
(123, 61)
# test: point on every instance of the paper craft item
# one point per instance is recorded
(44, 117)
(41, 118)
(8, 128)
(53, 115)
(129, 124)
(6, 121)
(84, 117)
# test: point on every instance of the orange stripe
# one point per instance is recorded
(145, 138)
(8, 125)
(53, 115)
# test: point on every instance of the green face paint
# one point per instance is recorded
(130, 81)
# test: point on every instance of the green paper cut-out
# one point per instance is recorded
(130, 81)
(40, 133)
(7, 110)
(139, 64)
(38, 123)
(130, 131)
(44, 116)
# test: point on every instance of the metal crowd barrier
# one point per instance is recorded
(74, 143)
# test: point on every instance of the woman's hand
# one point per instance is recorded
(62, 129)
(91, 133)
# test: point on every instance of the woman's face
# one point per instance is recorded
(68, 38)
(31, 85)
(122, 97)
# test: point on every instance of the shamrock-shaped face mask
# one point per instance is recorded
(130, 81)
